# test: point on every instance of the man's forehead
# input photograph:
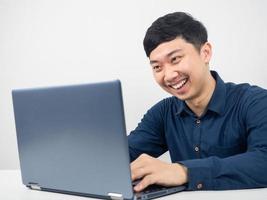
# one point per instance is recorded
(168, 48)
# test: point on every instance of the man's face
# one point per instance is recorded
(180, 69)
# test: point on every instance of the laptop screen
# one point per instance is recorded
(73, 139)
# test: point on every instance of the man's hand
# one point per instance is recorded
(154, 171)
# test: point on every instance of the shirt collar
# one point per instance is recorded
(217, 102)
(181, 107)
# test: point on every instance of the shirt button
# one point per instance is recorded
(198, 121)
(197, 149)
(199, 186)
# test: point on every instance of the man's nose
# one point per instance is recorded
(170, 74)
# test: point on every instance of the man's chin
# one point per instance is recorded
(182, 97)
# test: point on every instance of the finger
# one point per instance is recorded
(141, 172)
(139, 162)
(135, 170)
(136, 164)
(146, 181)
(139, 167)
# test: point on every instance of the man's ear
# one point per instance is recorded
(206, 52)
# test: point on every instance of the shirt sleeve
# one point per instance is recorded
(148, 137)
(246, 170)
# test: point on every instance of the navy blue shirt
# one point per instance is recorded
(225, 148)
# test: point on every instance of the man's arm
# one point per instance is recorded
(146, 142)
(246, 170)
(149, 137)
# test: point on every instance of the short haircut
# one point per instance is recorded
(172, 26)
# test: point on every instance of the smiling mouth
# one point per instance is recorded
(179, 85)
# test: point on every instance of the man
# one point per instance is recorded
(215, 132)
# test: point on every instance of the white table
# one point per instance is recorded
(11, 188)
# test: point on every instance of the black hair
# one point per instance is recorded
(173, 25)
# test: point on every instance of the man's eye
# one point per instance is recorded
(156, 68)
(176, 59)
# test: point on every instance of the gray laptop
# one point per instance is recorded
(72, 139)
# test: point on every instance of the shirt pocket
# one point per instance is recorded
(226, 151)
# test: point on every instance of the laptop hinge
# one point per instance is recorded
(115, 196)
(34, 186)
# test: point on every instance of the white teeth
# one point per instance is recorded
(179, 85)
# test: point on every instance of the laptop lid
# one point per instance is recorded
(72, 139)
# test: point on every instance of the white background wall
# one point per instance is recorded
(57, 42)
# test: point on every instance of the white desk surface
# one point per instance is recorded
(11, 188)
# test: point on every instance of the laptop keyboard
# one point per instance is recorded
(151, 191)
(153, 188)
(154, 191)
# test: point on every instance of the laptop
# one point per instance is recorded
(72, 139)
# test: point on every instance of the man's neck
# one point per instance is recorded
(199, 104)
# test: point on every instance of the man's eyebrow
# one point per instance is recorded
(173, 52)
(152, 62)
(168, 55)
